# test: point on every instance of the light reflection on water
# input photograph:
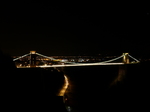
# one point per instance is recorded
(65, 86)
(86, 90)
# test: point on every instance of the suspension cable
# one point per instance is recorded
(46, 56)
(134, 58)
(112, 59)
(101, 62)
(21, 57)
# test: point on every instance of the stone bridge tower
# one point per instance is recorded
(126, 58)
(32, 58)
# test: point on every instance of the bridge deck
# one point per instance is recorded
(82, 64)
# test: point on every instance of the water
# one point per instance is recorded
(88, 85)
(100, 88)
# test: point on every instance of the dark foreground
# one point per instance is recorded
(32, 89)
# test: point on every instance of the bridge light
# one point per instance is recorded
(32, 52)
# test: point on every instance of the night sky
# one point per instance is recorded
(74, 29)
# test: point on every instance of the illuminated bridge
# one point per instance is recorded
(125, 60)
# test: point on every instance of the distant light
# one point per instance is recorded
(64, 60)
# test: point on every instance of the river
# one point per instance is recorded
(104, 88)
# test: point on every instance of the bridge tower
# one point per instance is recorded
(126, 58)
(32, 58)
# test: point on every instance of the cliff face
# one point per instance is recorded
(33, 88)
(29, 88)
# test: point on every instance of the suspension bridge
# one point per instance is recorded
(125, 60)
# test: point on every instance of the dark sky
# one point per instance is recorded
(74, 29)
